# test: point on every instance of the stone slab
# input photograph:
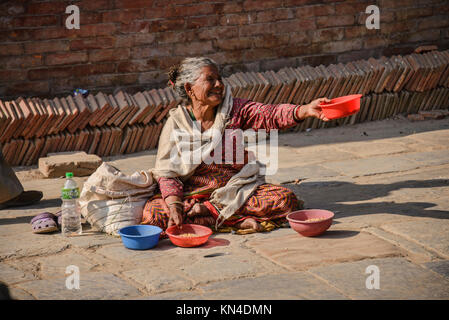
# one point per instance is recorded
(80, 163)
(19, 294)
(292, 157)
(286, 286)
(28, 244)
(398, 279)
(10, 275)
(441, 267)
(373, 165)
(285, 175)
(237, 264)
(414, 251)
(157, 280)
(371, 148)
(296, 252)
(92, 240)
(183, 295)
(54, 266)
(93, 286)
(430, 158)
(432, 234)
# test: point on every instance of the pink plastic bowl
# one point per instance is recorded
(342, 106)
(202, 235)
(297, 221)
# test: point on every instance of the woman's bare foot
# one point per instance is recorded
(198, 209)
(249, 223)
(204, 221)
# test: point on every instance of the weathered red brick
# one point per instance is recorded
(222, 32)
(109, 54)
(355, 7)
(7, 74)
(274, 15)
(305, 12)
(253, 5)
(123, 41)
(123, 16)
(336, 21)
(37, 8)
(46, 46)
(49, 33)
(296, 24)
(193, 48)
(271, 41)
(137, 65)
(201, 22)
(149, 52)
(342, 46)
(385, 4)
(296, 3)
(65, 58)
(9, 49)
(50, 73)
(433, 22)
(234, 44)
(374, 42)
(130, 4)
(90, 69)
(28, 88)
(87, 18)
(412, 13)
(238, 19)
(325, 35)
(96, 43)
(92, 30)
(21, 61)
(144, 39)
(167, 25)
(33, 21)
(355, 31)
(166, 11)
(257, 29)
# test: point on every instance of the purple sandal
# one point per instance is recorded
(44, 223)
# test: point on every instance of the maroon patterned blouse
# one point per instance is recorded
(245, 114)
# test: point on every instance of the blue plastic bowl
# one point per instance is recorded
(140, 237)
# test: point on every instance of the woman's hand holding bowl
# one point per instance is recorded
(312, 109)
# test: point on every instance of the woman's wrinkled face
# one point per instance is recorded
(208, 88)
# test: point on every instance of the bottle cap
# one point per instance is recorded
(69, 175)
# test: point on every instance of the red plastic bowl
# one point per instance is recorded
(342, 106)
(202, 235)
(297, 221)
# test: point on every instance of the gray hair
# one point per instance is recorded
(188, 71)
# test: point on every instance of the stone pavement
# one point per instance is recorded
(386, 181)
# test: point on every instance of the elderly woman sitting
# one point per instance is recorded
(217, 193)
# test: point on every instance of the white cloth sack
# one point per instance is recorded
(111, 200)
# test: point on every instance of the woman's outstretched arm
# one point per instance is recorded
(248, 114)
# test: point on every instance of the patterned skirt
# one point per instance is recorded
(267, 203)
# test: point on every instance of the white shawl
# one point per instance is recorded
(172, 162)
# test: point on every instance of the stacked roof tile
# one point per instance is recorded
(107, 124)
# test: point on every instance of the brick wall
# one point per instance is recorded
(131, 43)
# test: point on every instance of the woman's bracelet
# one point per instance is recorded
(294, 113)
(173, 203)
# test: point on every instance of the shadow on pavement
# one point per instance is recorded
(338, 234)
(365, 131)
(331, 195)
(43, 204)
